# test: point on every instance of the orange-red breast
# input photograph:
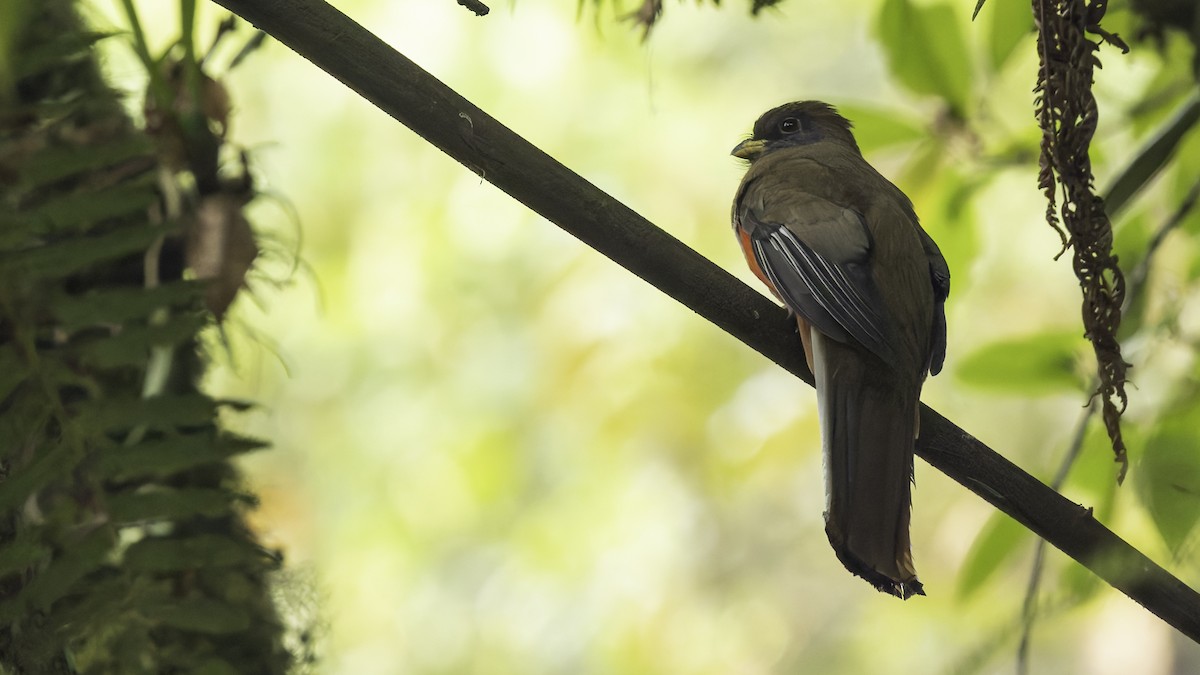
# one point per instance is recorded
(841, 246)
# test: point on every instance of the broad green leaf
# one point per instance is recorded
(1009, 21)
(55, 163)
(1168, 477)
(202, 615)
(12, 370)
(54, 53)
(1167, 86)
(169, 504)
(1077, 583)
(158, 412)
(947, 215)
(999, 540)
(1152, 157)
(900, 27)
(14, 21)
(1092, 480)
(96, 602)
(953, 59)
(923, 168)
(23, 421)
(161, 458)
(60, 576)
(163, 554)
(1043, 363)
(131, 345)
(942, 196)
(1130, 236)
(50, 463)
(24, 552)
(926, 50)
(84, 210)
(877, 128)
(1186, 175)
(118, 305)
(62, 259)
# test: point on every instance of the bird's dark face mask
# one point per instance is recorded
(790, 125)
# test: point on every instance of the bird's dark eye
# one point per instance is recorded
(789, 125)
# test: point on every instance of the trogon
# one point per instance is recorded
(842, 248)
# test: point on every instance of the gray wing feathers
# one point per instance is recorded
(824, 276)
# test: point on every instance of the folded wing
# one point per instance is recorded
(817, 256)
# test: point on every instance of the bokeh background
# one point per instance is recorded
(498, 452)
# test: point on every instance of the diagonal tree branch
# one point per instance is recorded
(367, 65)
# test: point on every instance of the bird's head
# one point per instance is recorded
(792, 124)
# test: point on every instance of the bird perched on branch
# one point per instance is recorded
(841, 246)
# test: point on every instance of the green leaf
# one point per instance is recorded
(98, 604)
(923, 171)
(51, 462)
(132, 344)
(60, 577)
(55, 163)
(201, 615)
(926, 51)
(999, 540)
(951, 220)
(24, 552)
(877, 128)
(169, 504)
(164, 554)
(1168, 477)
(1044, 363)
(23, 422)
(1151, 158)
(53, 54)
(1186, 172)
(158, 412)
(953, 59)
(80, 211)
(12, 370)
(14, 27)
(1092, 480)
(119, 305)
(164, 457)
(1010, 22)
(62, 259)
(1079, 584)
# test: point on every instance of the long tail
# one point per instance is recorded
(868, 423)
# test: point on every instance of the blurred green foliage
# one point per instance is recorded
(123, 547)
(1043, 363)
(499, 453)
(927, 51)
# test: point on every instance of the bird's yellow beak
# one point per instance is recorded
(749, 148)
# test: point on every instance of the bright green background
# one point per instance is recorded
(498, 452)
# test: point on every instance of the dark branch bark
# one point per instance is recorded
(400, 88)
(476, 6)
